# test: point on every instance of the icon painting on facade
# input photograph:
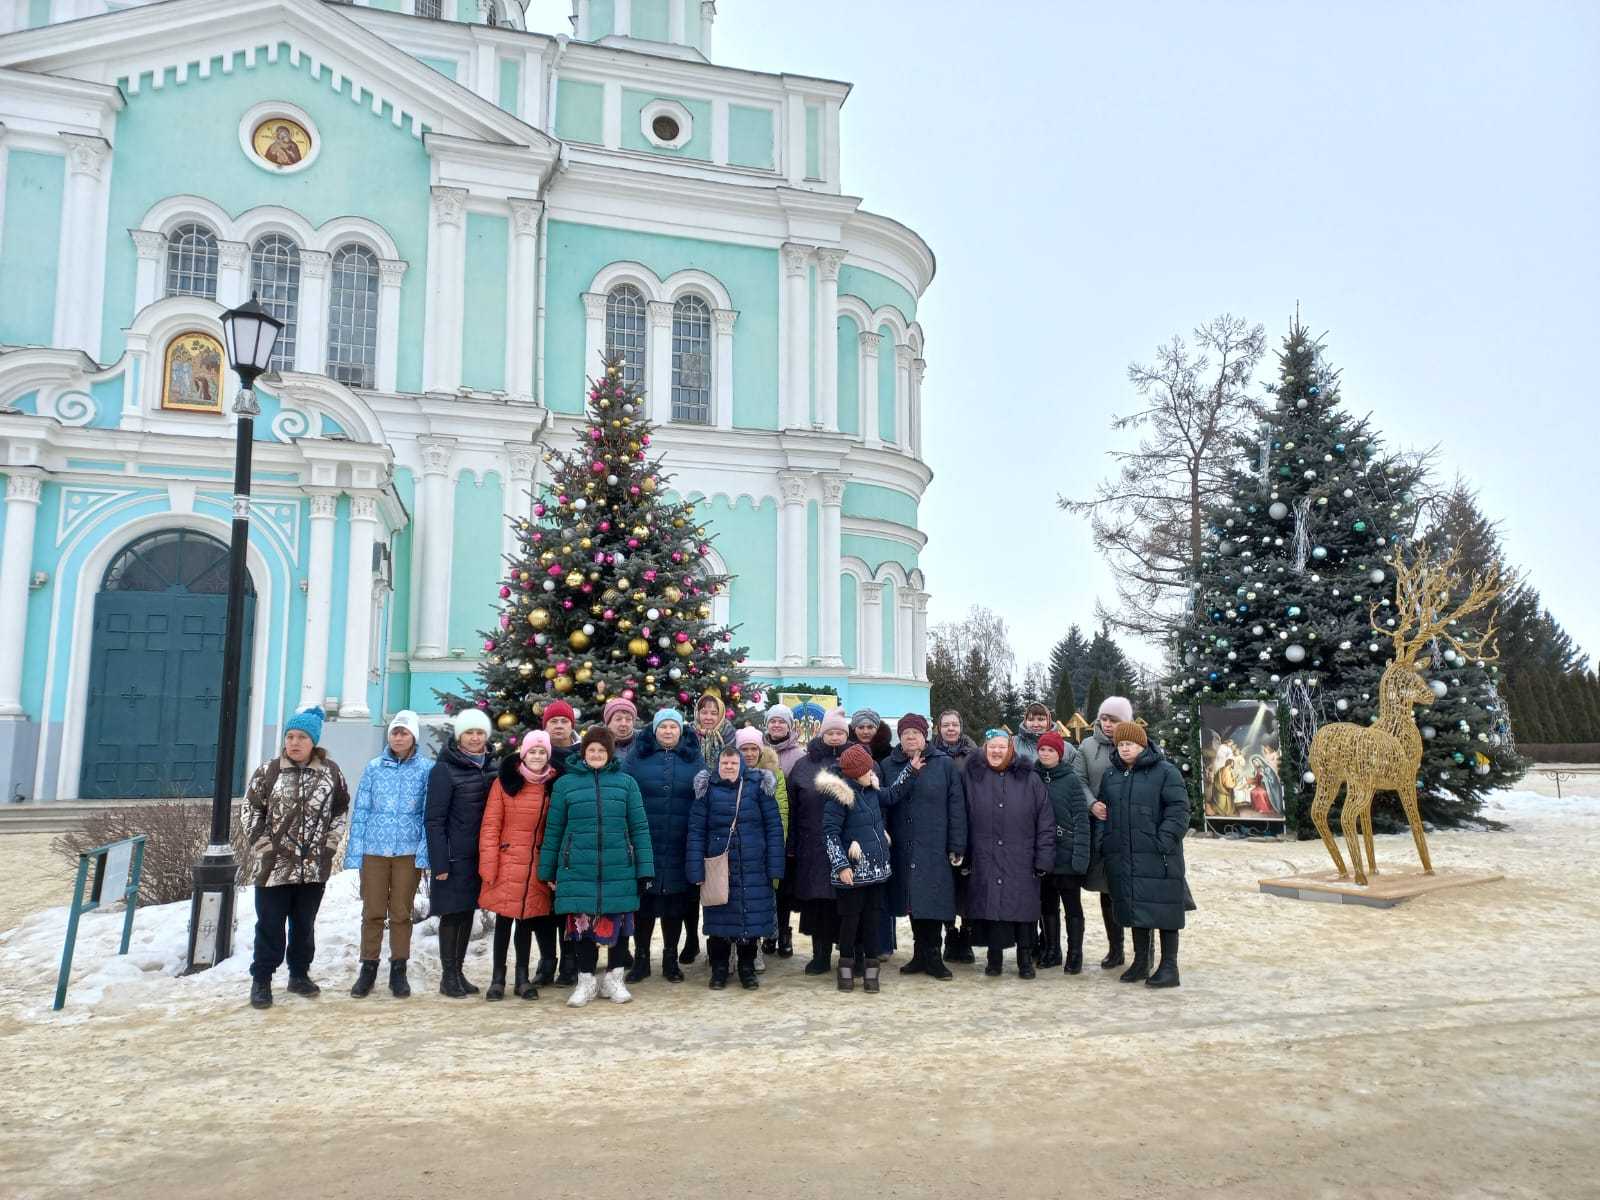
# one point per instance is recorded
(192, 377)
(281, 142)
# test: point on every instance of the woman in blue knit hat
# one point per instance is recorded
(294, 812)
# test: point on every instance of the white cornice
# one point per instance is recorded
(46, 105)
(650, 69)
(187, 34)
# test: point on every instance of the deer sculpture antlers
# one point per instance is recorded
(1385, 756)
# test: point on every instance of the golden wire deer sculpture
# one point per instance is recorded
(1385, 756)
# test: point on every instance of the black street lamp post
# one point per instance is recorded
(250, 334)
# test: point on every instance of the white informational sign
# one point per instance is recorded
(114, 879)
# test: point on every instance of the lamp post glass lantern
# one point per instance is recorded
(249, 332)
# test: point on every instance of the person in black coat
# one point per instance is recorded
(458, 787)
(955, 743)
(1071, 808)
(1011, 845)
(806, 856)
(928, 823)
(664, 762)
(860, 860)
(1147, 815)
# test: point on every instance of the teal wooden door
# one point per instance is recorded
(156, 671)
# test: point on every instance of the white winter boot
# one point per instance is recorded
(761, 959)
(612, 987)
(583, 991)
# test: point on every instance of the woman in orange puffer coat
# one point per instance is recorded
(508, 850)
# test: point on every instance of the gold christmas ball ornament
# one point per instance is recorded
(578, 640)
(685, 649)
(584, 675)
(539, 618)
(563, 684)
(506, 720)
(638, 647)
(705, 612)
(586, 544)
(549, 672)
(672, 592)
(575, 579)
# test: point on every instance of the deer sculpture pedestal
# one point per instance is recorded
(1380, 891)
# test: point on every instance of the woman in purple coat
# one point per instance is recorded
(1011, 845)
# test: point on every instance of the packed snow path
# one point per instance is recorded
(1449, 1046)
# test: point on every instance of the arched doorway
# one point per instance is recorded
(155, 673)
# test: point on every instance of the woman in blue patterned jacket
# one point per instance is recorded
(390, 849)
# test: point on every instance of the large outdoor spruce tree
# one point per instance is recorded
(608, 594)
(1295, 563)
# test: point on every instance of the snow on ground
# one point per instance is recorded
(1443, 1048)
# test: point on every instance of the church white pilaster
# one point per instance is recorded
(311, 337)
(150, 275)
(794, 404)
(520, 460)
(872, 627)
(522, 271)
(919, 635)
(919, 369)
(441, 346)
(358, 608)
(594, 332)
(434, 521)
(828, 263)
(902, 396)
(391, 271)
(233, 261)
(829, 553)
(658, 371)
(792, 569)
(81, 253)
(16, 568)
(319, 600)
(724, 319)
(871, 427)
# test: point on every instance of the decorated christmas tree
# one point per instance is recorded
(608, 594)
(1296, 563)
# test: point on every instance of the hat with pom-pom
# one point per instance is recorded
(307, 721)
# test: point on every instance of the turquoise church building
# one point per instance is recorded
(454, 216)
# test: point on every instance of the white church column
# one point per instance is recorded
(391, 271)
(594, 332)
(434, 520)
(902, 632)
(658, 371)
(919, 635)
(16, 569)
(319, 600)
(828, 555)
(522, 284)
(872, 627)
(358, 608)
(792, 569)
(722, 378)
(81, 252)
(708, 17)
(794, 403)
(919, 368)
(871, 430)
(828, 262)
(520, 460)
(902, 396)
(441, 345)
(149, 281)
(233, 281)
(311, 334)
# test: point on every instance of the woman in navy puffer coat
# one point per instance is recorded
(739, 801)
(664, 761)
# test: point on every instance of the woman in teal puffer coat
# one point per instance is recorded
(597, 852)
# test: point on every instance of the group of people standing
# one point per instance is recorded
(582, 841)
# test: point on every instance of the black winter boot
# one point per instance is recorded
(917, 964)
(463, 939)
(1050, 948)
(568, 973)
(932, 963)
(821, 957)
(301, 985)
(367, 976)
(641, 962)
(1025, 961)
(785, 943)
(670, 971)
(1167, 972)
(449, 974)
(1114, 941)
(957, 945)
(1074, 959)
(995, 962)
(719, 975)
(869, 977)
(261, 993)
(747, 967)
(521, 986)
(691, 941)
(847, 976)
(1140, 967)
(399, 985)
(545, 973)
(497, 984)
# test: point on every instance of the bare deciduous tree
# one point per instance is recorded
(982, 630)
(1148, 516)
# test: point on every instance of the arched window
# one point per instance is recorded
(192, 262)
(691, 361)
(172, 560)
(275, 280)
(353, 316)
(625, 330)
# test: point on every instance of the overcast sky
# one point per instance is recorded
(1422, 178)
